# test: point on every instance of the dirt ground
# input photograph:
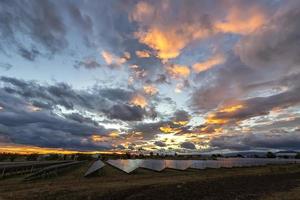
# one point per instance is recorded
(262, 183)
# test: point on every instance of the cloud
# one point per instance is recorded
(143, 54)
(5, 66)
(29, 54)
(264, 140)
(126, 112)
(160, 143)
(275, 45)
(139, 100)
(178, 71)
(188, 145)
(150, 89)
(209, 63)
(88, 63)
(43, 128)
(40, 21)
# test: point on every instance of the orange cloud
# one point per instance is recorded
(181, 123)
(143, 54)
(150, 89)
(112, 59)
(211, 62)
(178, 71)
(139, 100)
(170, 41)
(97, 138)
(231, 108)
(167, 39)
(169, 129)
(241, 21)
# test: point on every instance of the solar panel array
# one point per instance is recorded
(130, 165)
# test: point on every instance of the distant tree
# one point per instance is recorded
(141, 155)
(297, 156)
(127, 155)
(82, 156)
(240, 156)
(12, 157)
(271, 155)
(32, 157)
(52, 157)
(151, 154)
(3, 156)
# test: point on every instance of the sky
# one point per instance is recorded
(162, 76)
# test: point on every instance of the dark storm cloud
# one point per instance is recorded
(160, 144)
(288, 140)
(226, 82)
(188, 145)
(181, 115)
(126, 112)
(43, 128)
(259, 106)
(148, 130)
(80, 118)
(111, 102)
(29, 54)
(40, 20)
(276, 45)
(115, 94)
(263, 57)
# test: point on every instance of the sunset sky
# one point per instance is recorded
(170, 75)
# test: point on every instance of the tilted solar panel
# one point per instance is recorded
(94, 167)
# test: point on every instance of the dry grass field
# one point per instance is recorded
(268, 182)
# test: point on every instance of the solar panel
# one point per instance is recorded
(155, 165)
(212, 164)
(198, 164)
(178, 164)
(127, 166)
(94, 167)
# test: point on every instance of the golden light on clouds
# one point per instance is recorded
(111, 59)
(231, 108)
(150, 89)
(97, 138)
(108, 58)
(27, 149)
(33, 108)
(114, 134)
(167, 39)
(209, 63)
(241, 21)
(139, 100)
(178, 71)
(181, 123)
(143, 54)
(168, 129)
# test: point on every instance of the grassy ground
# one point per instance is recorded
(269, 183)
